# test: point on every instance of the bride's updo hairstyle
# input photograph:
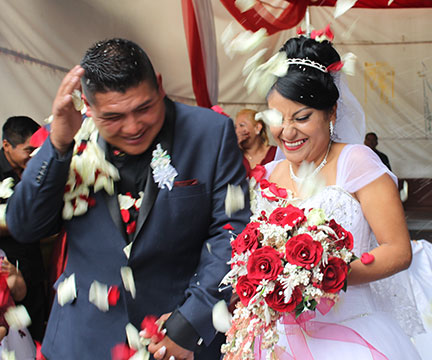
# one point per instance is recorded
(305, 84)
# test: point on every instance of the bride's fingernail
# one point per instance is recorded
(162, 351)
(172, 358)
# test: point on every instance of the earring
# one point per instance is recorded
(331, 130)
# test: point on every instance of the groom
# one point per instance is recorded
(175, 242)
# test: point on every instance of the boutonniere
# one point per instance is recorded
(163, 172)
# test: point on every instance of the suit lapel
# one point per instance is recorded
(112, 200)
(165, 138)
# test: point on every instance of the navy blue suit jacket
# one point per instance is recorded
(180, 250)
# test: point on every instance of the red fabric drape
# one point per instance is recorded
(196, 59)
(376, 4)
(258, 17)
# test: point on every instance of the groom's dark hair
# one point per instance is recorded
(115, 65)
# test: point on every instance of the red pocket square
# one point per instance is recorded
(186, 182)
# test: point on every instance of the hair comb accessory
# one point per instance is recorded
(307, 62)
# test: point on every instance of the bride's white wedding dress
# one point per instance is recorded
(368, 309)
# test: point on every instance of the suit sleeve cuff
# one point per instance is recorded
(182, 332)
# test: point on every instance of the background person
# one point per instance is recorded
(17, 131)
(371, 140)
(253, 140)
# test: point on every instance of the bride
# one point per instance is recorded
(360, 193)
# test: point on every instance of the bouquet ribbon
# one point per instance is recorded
(296, 328)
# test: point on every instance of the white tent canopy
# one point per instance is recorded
(40, 39)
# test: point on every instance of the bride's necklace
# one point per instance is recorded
(316, 171)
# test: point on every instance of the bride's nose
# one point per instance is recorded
(288, 129)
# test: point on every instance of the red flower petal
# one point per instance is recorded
(39, 355)
(122, 352)
(227, 227)
(149, 324)
(336, 66)
(367, 258)
(39, 137)
(131, 227)
(125, 215)
(113, 295)
(91, 201)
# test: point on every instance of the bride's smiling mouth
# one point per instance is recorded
(294, 145)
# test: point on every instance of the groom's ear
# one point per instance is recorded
(87, 104)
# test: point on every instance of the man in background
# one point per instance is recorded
(371, 140)
(14, 156)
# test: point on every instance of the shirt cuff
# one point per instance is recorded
(182, 332)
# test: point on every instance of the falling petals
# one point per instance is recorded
(234, 199)
(78, 101)
(122, 352)
(6, 188)
(312, 183)
(227, 227)
(98, 295)
(221, 317)
(367, 258)
(243, 42)
(127, 250)
(113, 295)
(404, 191)
(272, 117)
(349, 60)
(128, 280)
(8, 355)
(133, 337)
(17, 317)
(342, 6)
(152, 328)
(244, 5)
(39, 355)
(125, 201)
(66, 290)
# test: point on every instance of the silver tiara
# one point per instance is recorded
(307, 62)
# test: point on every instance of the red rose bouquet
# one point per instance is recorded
(286, 262)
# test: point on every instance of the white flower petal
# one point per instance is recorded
(98, 295)
(349, 61)
(247, 41)
(3, 215)
(81, 207)
(253, 62)
(8, 355)
(17, 317)
(67, 210)
(221, 317)
(77, 100)
(244, 5)
(127, 250)
(66, 290)
(128, 280)
(404, 191)
(141, 354)
(6, 188)
(271, 117)
(342, 6)
(234, 199)
(133, 337)
(125, 201)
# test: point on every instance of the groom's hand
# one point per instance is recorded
(169, 350)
